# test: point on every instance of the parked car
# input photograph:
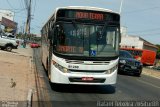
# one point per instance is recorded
(127, 64)
(7, 43)
(34, 45)
(10, 36)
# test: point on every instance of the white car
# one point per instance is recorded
(7, 43)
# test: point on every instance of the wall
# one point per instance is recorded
(7, 14)
(131, 41)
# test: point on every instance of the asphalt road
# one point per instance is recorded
(128, 90)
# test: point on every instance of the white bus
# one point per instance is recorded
(80, 45)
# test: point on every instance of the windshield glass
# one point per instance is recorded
(87, 40)
(125, 54)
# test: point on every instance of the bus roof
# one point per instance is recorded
(82, 8)
(87, 8)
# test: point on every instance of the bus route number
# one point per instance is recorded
(73, 66)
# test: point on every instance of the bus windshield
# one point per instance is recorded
(89, 40)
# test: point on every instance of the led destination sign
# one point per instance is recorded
(87, 14)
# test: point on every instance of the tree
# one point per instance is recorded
(158, 52)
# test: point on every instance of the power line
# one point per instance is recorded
(21, 10)
(17, 10)
(26, 5)
(21, 16)
(141, 10)
(34, 7)
(147, 30)
(10, 5)
(149, 34)
(11, 9)
(22, 4)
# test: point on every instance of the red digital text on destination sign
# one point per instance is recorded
(89, 15)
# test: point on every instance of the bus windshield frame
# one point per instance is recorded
(86, 39)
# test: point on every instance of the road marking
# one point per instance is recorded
(148, 83)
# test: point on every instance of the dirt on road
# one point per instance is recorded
(16, 74)
(151, 72)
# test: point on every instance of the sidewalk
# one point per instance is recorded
(151, 72)
(16, 74)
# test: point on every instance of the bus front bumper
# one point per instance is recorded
(83, 78)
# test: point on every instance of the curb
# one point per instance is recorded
(151, 73)
(29, 98)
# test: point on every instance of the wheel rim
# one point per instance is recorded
(9, 48)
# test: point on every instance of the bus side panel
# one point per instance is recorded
(148, 57)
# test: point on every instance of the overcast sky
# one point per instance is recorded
(141, 17)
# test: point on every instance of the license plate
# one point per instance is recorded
(133, 67)
(87, 78)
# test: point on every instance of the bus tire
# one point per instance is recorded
(55, 86)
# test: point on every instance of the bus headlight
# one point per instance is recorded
(61, 68)
(111, 70)
(122, 61)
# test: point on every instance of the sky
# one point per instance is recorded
(140, 17)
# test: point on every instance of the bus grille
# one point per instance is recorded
(131, 63)
(88, 71)
(74, 62)
(88, 62)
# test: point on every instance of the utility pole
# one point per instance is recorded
(23, 27)
(120, 9)
(27, 30)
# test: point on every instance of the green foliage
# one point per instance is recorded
(158, 52)
(31, 37)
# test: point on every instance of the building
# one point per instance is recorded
(7, 14)
(128, 41)
(7, 20)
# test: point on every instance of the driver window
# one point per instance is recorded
(60, 35)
